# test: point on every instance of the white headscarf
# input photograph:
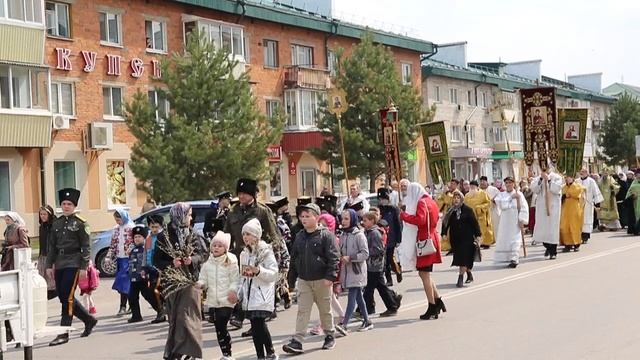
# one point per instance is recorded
(16, 218)
(407, 248)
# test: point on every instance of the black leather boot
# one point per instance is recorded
(441, 305)
(432, 312)
(59, 340)
(460, 282)
(469, 277)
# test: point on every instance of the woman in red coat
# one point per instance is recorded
(422, 211)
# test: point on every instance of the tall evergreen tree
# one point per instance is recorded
(370, 77)
(619, 130)
(213, 134)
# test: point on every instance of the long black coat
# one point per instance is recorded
(462, 232)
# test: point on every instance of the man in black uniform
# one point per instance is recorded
(70, 252)
(216, 217)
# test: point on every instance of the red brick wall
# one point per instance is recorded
(85, 33)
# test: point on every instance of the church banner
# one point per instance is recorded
(435, 145)
(572, 128)
(539, 126)
(391, 144)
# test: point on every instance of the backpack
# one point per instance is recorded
(383, 227)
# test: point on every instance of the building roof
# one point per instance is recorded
(617, 89)
(283, 14)
(481, 72)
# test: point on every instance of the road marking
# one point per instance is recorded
(491, 284)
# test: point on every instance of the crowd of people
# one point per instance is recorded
(251, 257)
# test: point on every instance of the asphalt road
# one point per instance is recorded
(580, 306)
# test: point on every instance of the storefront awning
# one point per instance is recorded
(25, 130)
(497, 155)
(301, 141)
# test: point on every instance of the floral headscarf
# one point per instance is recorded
(178, 214)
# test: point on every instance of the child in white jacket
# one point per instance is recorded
(259, 271)
(220, 277)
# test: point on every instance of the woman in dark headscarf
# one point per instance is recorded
(15, 237)
(188, 251)
(463, 228)
(46, 217)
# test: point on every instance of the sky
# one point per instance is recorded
(571, 37)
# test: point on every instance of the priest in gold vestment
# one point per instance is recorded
(479, 201)
(572, 214)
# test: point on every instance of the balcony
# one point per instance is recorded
(305, 77)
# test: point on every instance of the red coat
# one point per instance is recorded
(426, 206)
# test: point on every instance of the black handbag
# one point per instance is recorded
(477, 254)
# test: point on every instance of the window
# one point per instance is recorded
(5, 187)
(471, 134)
(453, 96)
(436, 94)
(486, 134)
(273, 107)
(62, 98)
(64, 176)
(406, 74)
(23, 88)
(332, 62)
(470, 98)
(155, 36)
(160, 103)
(301, 55)
(498, 135)
(455, 133)
(483, 99)
(222, 35)
(112, 102)
(110, 24)
(308, 177)
(302, 107)
(57, 18)
(22, 10)
(270, 53)
(514, 133)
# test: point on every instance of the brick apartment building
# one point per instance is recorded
(91, 56)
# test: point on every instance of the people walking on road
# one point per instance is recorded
(608, 216)
(592, 200)
(314, 264)
(514, 213)
(444, 202)
(139, 275)
(220, 278)
(375, 269)
(478, 200)
(46, 216)
(216, 217)
(279, 208)
(391, 214)
(157, 261)
(121, 244)
(464, 230)
(422, 215)
(492, 192)
(572, 214)
(629, 207)
(354, 253)
(69, 253)
(548, 191)
(621, 180)
(188, 251)
(16, 236)
(259, 270)
(633, 195)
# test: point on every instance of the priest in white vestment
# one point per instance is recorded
(593, 197)
(548, 191)
(514, 214)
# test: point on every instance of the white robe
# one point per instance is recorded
(547, 228)
(493, 191)
(592, 196)
(508, 236)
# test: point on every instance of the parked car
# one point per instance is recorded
(100, 242)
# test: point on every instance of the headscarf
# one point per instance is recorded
(49, 211)
(457, 209)
(330, 221)
(178, 214)
(353, 219)
(124, 215)
(407, 248)
(17, 219)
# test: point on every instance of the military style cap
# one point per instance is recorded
(332, 200)
(281, 202)
(310, 206)
(357, 205)
(69, 194)
(303, 200)
(224, 195)
(323, 204)
(383, 193)
(247, 186)
(140, 230)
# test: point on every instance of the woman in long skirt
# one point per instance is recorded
(121, 244)
(45, 218)
(183, 305)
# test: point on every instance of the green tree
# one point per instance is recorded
(370, 77)
(213, 135)
(619, 130)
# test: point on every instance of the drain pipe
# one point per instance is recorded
(43, 197)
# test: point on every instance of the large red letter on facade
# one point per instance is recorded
(137, 67)
(89, 60)
(64, 63)
(157, 71)
(114, 64)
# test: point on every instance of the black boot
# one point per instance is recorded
(432, 312)
(440, 304)
(469, 277)
(399, 276)
(460, 281)
(387, 276)
(59, 340)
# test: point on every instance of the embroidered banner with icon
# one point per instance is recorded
(391, 145)
(572, 130)
(539, 126)
(435, 145)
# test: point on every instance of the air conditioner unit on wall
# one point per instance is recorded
(100, 135)
(60, 122)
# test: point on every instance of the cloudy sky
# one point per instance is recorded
(571, 37)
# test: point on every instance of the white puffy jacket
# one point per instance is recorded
(258, 292)
(219, 276)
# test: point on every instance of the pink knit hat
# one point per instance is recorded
(329, 220)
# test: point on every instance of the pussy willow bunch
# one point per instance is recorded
(175, 279)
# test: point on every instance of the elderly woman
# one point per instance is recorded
(188, 251)
(121, 244)
(463, 229)
(46, 217)
(421, 217)
(15, 237)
